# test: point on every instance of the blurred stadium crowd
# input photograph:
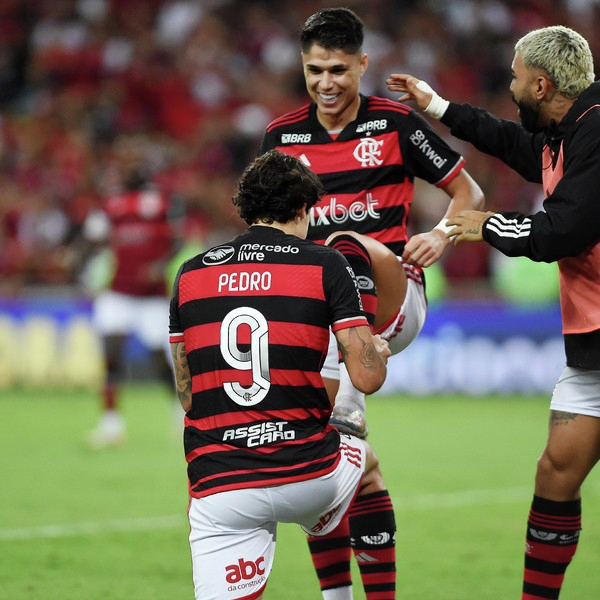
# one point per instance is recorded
(199, 80)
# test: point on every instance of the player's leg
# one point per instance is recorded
(151, 328)
(382, 284)
(111, 429)
(232, 542)
(111, 318)
(572, 450)
(373, 536)
(375, 552)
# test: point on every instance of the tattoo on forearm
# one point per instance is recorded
(368, 355)
(343, 350)
(559, 417)
(183, 379)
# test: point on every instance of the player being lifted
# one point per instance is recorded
(367, 151)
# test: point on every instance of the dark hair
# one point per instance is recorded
(333, 29)
(275, 187)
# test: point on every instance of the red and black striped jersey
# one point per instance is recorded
(255, 315)
(368, 170)
(141, 235)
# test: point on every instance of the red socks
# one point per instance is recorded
(552, 536)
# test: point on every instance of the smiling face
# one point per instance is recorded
(332, 80)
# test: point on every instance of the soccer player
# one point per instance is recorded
(367, 151)
(249, 329)
(140, 224)
(557, 145)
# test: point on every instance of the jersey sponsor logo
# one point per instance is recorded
(356, 285)
(365, 283)
(218, 255)
(244, 282)
(256, 252)
(368, 151)
(326, 519)
(296, 138)
(337, 213)
(369, 126)
(419, 139)
(260, 434)
(245, 570)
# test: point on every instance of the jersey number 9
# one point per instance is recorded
(255, 360)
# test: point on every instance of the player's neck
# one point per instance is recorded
(335, 123)
(297, 227)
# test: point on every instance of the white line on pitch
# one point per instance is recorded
(92, 528)
(419, 502)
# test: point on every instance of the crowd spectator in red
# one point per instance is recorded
(202, 80)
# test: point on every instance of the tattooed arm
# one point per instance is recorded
(365, 357)
(183, 378)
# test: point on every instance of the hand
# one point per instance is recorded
(467, 225)
(382, 347)
(423, 249)
(402, 82)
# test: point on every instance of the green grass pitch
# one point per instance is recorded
(77, 524)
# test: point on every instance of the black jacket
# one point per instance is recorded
(569, 223)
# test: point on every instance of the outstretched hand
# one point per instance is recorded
(467, 225)
(408, 86)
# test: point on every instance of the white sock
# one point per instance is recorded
(340, 593)
(348, 396)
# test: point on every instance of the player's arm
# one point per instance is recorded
(365, 356)
(181, 369)
(183, 378)
(504, 139)
(565, 227)
(426, 248)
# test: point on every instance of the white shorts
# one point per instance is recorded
(577, 391)
(401, 332)
(146, 318)
(233, 534)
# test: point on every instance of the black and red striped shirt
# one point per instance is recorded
(255, 315)
(368, 170)
(141, 235)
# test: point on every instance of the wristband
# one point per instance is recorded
(444, 227)
(437, 105)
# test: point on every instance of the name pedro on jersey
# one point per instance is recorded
(254, 281)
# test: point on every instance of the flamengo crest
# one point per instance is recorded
(368, 151)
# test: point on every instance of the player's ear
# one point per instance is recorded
(363, 64)
(543, 87)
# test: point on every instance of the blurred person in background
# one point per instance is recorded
(367, 152)
(557, 145)
(141, 227)
(248, 342)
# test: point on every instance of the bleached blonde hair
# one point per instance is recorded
(563, 54)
